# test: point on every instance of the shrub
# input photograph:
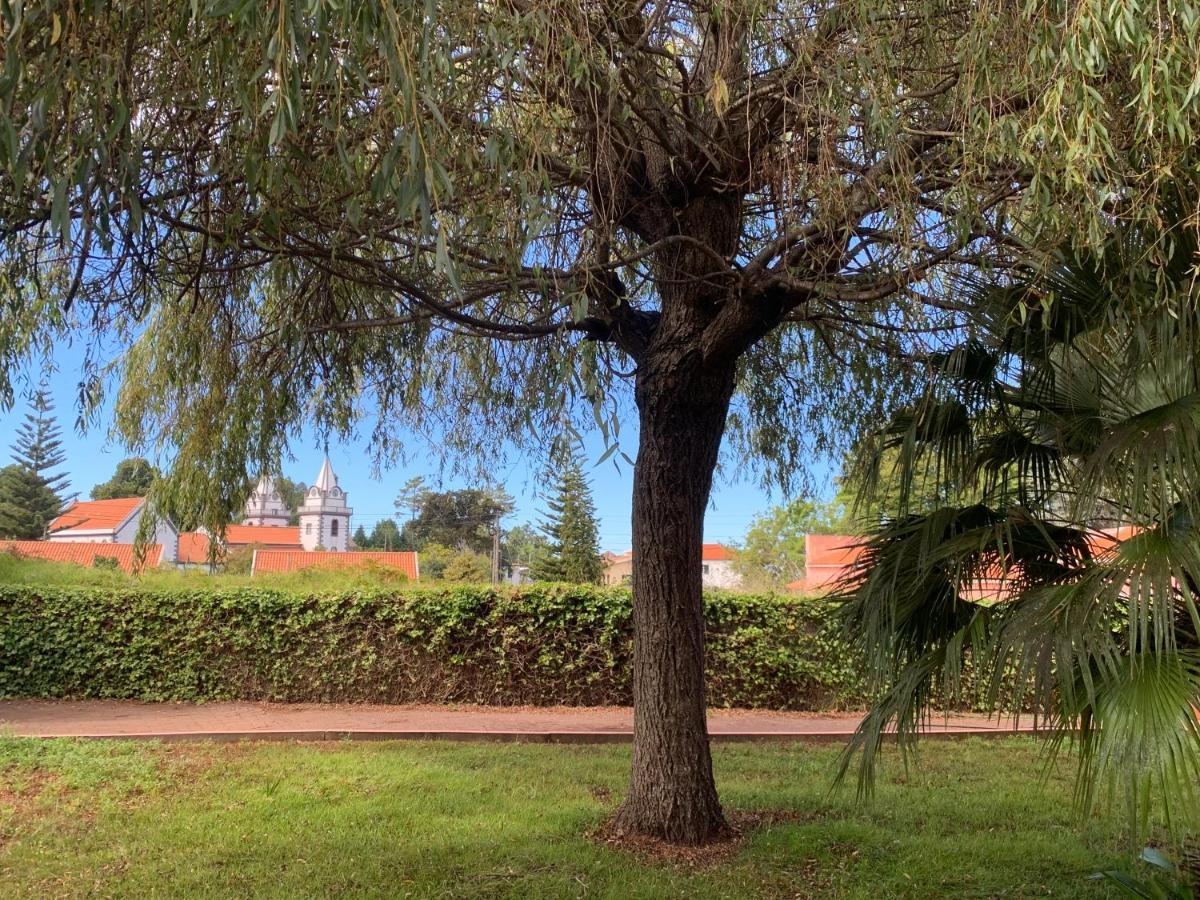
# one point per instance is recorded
(468, 567)
(539, 644)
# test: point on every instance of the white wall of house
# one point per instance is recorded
(83, 536)
(719, 573)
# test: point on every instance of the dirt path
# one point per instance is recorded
(303, 721)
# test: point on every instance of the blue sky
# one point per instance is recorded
(92, 457)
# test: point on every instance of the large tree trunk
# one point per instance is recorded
(683, 407)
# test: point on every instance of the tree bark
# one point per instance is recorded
(683, 405)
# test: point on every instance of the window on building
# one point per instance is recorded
(704, 569)
(308, 527)
(333, 528)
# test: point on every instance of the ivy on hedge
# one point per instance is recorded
(537, 645)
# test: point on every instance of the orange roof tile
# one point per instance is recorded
(295, 560)
(716, 552)
(82, 553)
(831, 549)
(96, 515)
(193, 547)
(267, 535)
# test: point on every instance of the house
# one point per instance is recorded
(277, 561)
(618, 567)
(716, 567)
(86, 553)
(194, 545)
(111, 522)
(828, 557)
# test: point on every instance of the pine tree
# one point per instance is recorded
(24, 503)
(574, 553)
(38, 446)
(30, 491)
(361, 542)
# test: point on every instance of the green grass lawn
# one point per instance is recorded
(405, 819)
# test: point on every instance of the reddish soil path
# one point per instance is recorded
(305, 721)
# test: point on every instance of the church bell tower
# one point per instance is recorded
(324, 516)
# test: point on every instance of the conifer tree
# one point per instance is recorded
(24, 498)
(30, 491)
(571, 526)
(360, 538)
(38, 446)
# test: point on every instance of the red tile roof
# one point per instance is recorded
(267, 535)
(831, 549)
(81, 553)
(193, 545)
(295, 560)
(829, 556)
(96, 515)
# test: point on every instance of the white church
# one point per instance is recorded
(324, 515)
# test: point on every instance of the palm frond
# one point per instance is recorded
(1065, 432)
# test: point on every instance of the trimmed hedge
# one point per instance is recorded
(538, 645)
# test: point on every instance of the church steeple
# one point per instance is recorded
(326, 480)
(325, 517)
(265, 505)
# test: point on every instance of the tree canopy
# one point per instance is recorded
(385, 536)
(26, 504)
(513, 170)
(38, 443)
(523, 545)
(460, 519)
(292, 493)
(132, 478)
(31, 489)
(773, 552)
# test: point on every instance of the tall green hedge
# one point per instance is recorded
(540, 645)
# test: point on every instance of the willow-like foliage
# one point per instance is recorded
(1074, 416)
(469, 218)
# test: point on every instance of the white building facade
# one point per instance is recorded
(266, 505)
(325, 515)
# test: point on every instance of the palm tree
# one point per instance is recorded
(1066, 428)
